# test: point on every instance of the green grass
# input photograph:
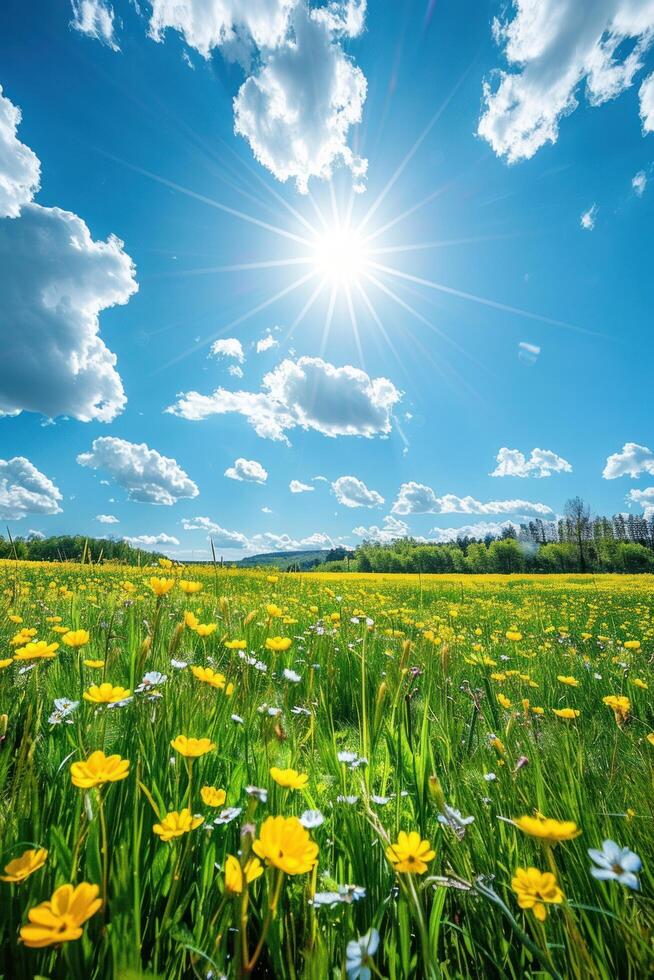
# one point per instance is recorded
(413, 693)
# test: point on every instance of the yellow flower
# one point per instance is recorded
(620, 705)
(284, 843)
(631, 644)
(6, 662)
(209, 676)
(234, 873)
(289, 778)
(99, 769)
(273, 611)
(160, 586)
(235, 644)
(548, 830)
(513, 635)
(278, 644)
(192, 748)
(205, 629)
(106, 694)
(94, 664)
(189, 587)
(190, 619)
(272, 579)
(176, 824)
(61, 630)
(40, 650)
(212, 796)
(60, 920)
(410, 854)
(503, 701)
(14, 618)
(570, 681)
(76, 638)
(23, 637)
(165, 563)
(568, 714)
(22, 867)
(637, 682)
(650, 738)
(534, 889)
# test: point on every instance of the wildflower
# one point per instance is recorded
(99, 769)
(189, 588)
(380, 800)
(38, 650)
(150, 680)
(285, 844)
(637, 682)
(212, 796)
(631, 644)
(274, 611)
(64, 706)
(258, 792)
(178, 664)
(190, 619)
(347, 757)
(6, 662)
(161, 586)
(290, 675)
(22, 867)
(548, 830)
(176, 824)
(205, 629)
(235, 644)
(60, 919)
(192, 748)
(536, 889)
(568, 680)
(620, 705)
(503, 701)
(513, 635)
(615, 863)
(311, 819)
(207, 675)
(359, 953)
(410, 854)
(106, 694)
(452, 818)
(94, 664)
(76, 638)
(650, 738)
(228, 814)
(278, 644)
(567, 714)
(234, 873)
(289, 778)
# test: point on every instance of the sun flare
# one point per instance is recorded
(341, 255)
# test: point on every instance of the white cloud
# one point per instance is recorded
(235, 371)
(221, 537)
(297, 110)
(443, 535)
(631, 461)
(296, 486)
(247, 470)
(283, 542)
(644, 498)
(35, 535)
(541, 463)
(147, 476)
(529, 353)
(391, 530)
(95, 18)
(228, 347)
(588, 218)
(303, 92)
(646, 95)
(266, 343)
(266, 510)
(151, 540)
(552, 46)
(352, 492)
(639, 182)
(19, 166)
(416, 498)
(25, 490)
(107, 519)
(309, 393)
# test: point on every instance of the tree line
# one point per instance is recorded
(577, 542)
(73, 547)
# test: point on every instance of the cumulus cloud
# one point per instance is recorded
(296, 486)
(308, 393)
(639, 183)
(529, 353)
(391, 530)
(147, 476)
(588, 218)
(552, 47)
(646, 96)
(303, 93)
(25, 490)
(107, 519)
(352, 492)
(644, 498)
(35, 535)
(228, 347)
(283, 542)
(416, 498)
(266, 343)
(55, 280)
(631, 461)
(541, 463)
(95, 18)
(221, 537)
(151, 540)
(19, 166)
(247, 470)
(495, 529)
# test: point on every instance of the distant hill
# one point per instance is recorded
(285, 559)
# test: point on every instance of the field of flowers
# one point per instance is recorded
(208, 773)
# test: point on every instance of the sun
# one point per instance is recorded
(340, 255)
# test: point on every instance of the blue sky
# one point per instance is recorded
(154, 202)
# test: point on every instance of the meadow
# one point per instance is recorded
(212, 773)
